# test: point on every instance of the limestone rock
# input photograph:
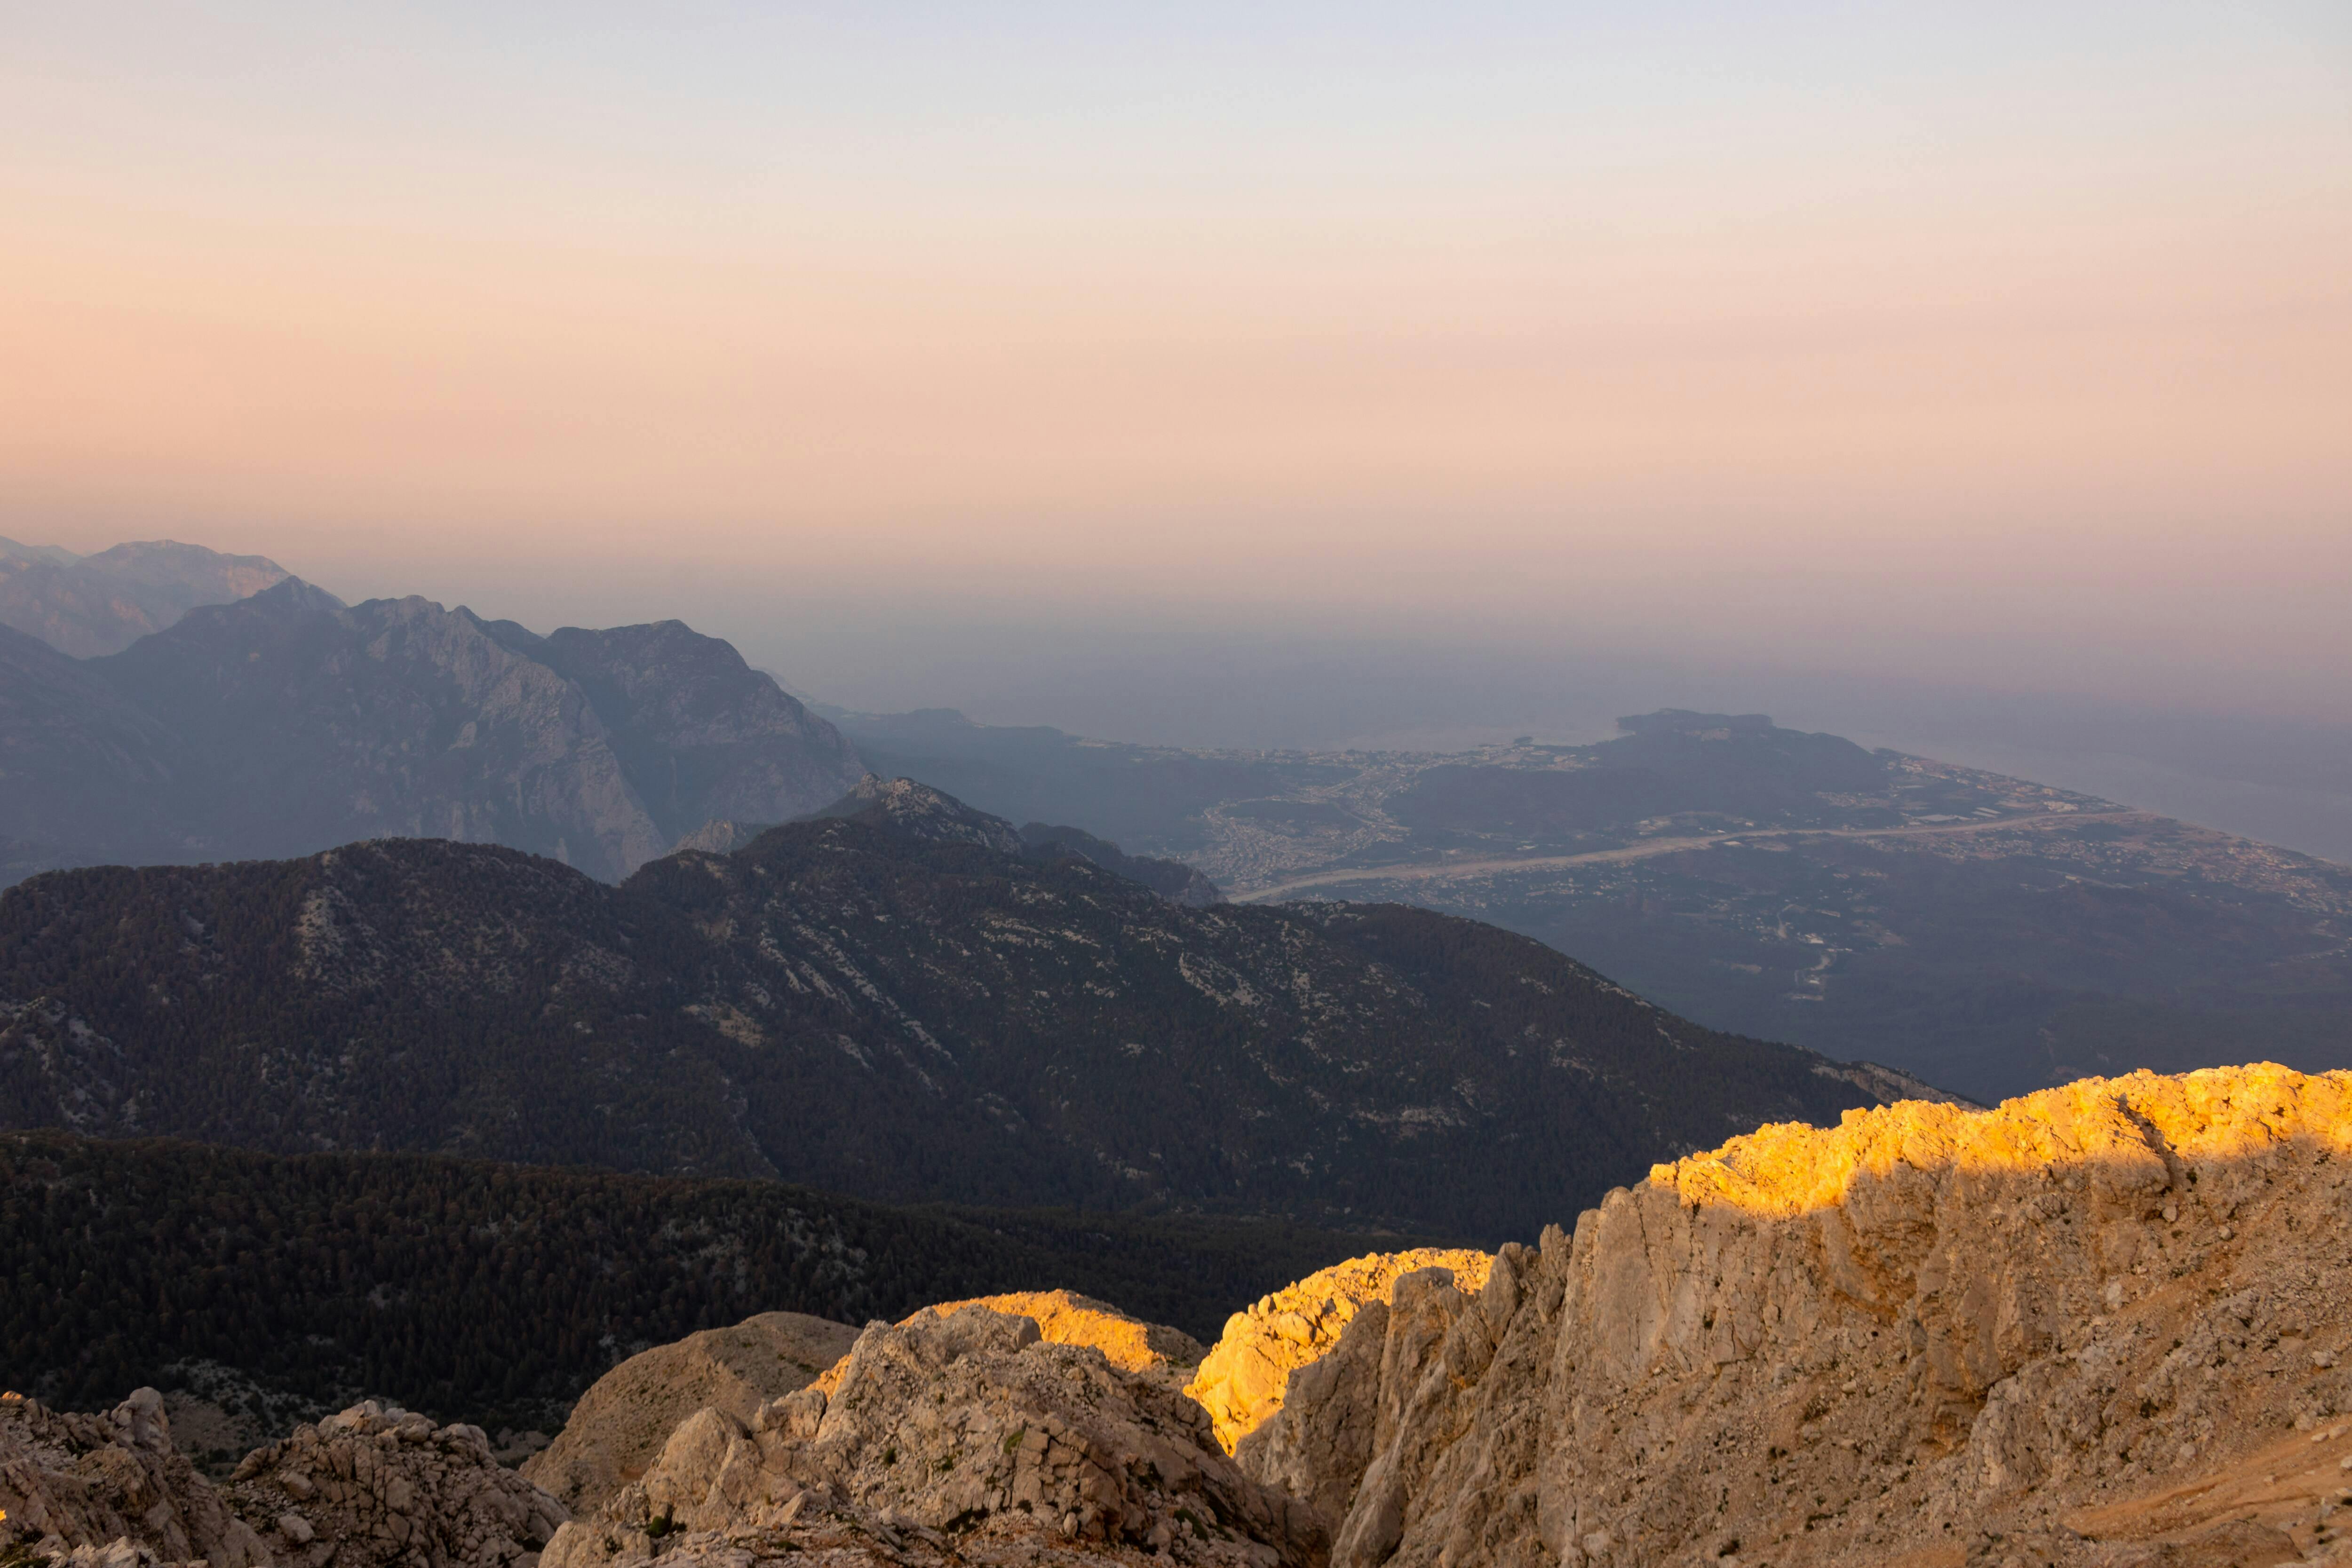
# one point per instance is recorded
(1241, 1381)
(1063, 1317)
(372, 1486)
(619, 1426)
(111, 1490)
(965, 1437)
(2099, 1325)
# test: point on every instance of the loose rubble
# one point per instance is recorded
(373, 1486)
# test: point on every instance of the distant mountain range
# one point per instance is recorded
(1986, 932)
(899, 1000)
(86, 605)
(286, 722)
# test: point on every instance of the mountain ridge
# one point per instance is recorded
(844, 1004)
(288, 722)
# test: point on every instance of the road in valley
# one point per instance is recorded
(1426, 871)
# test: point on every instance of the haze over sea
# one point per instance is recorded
(1968, 379)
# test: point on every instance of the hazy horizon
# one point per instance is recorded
(1374, 371)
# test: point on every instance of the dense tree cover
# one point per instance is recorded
(493, 1293)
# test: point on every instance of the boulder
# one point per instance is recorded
(620, 1424)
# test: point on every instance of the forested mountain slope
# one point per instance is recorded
(896, 1003)
(496, 1294)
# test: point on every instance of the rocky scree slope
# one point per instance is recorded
(2102, 1324)
(894, 1003)
(288, 722)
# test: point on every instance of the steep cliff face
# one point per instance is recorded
(1241, 1381)
(288, 722)
(699, 733)
(308, 723)
(2102, 1324)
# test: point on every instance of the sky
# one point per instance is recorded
(949, 352)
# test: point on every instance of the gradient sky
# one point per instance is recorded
(2005, 344)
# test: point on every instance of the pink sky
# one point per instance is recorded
(1978, 338)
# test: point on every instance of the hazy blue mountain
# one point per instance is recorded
(88, 605)
(286, 722)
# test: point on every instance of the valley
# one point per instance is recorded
(1984, 932)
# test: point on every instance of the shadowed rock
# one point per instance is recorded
(617, 1429)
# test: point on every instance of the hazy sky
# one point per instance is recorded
(2003, 344)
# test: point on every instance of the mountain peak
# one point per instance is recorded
(915, 810)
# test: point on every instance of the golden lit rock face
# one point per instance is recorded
(2123, 1127)
(2103, 1324)
(1065, 1318)
(1241, 1382)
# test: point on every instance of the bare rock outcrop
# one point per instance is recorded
(111, 1489)
(1065, 1317)
(617, 1429)
(967, 1437)
(1241, 1380)
(372, 1487)
(2099, 1325)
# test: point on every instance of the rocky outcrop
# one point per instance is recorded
(2102, 1324)
(913, 810)
(1241, 1380)
(112, 1491)
(967, 1437)
(1063, 1317)
(372, 1487)
(617, 1429)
